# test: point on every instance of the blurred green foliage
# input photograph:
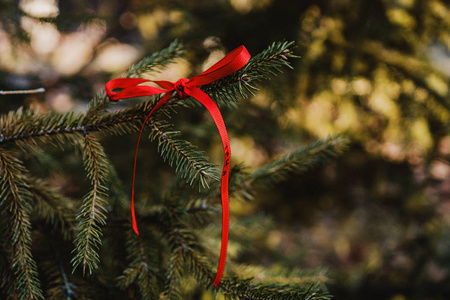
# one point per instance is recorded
(376, 71)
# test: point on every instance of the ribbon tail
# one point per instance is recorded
(213, 110)
(157, 106)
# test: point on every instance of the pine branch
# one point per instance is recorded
(118, 198)
(280, 275)
(173, 275)
(45, 161)
(180, 241)
(97, 107)
(248, 289)
(190, 163)
(268, 63)
(52, 206)
(93, 213)
(157, 61)
(25, 124)
(299, 161)
(15, 206)
(141, 270)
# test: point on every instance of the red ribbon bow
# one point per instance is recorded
(232, 62)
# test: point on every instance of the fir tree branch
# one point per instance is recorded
(154, 63)
(173, 275)
(190, 163)
(52, 206)
(26, 124)
(299, 161)
(181, 242)
(141, 270)
(93, 213)
(97, 107)
(268, 63)
(157, 61)
(15, 206)
(248, 289)
(282, 275)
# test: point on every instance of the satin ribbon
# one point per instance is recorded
(130, 88)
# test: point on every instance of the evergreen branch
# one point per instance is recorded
(97, 107)
(157, 61)
(228, 90)
(51, 205)
(282, 275)
(26, 124)
(33, 125)
(153, 63)
(182, 243)
(299, 161)
(92, 214)
(197, 213)
(190, 163)
(125, 121)
(248, 289)
(239, 186)
(270, 61)
(118, 199)
(15, 206)
(141, 270)
(45, 161)
(173, 275)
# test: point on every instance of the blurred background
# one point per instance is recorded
(376, 221)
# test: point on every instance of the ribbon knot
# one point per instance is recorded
(121, 88)
(180, 85)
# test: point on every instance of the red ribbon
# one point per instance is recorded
(232, 62)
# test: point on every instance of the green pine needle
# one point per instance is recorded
(92, 215)
(142, 269)
(299, 161)
(52, 206)
(158, 61)
(190, 163)
(15, 207)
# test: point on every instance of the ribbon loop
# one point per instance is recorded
(130, 87)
